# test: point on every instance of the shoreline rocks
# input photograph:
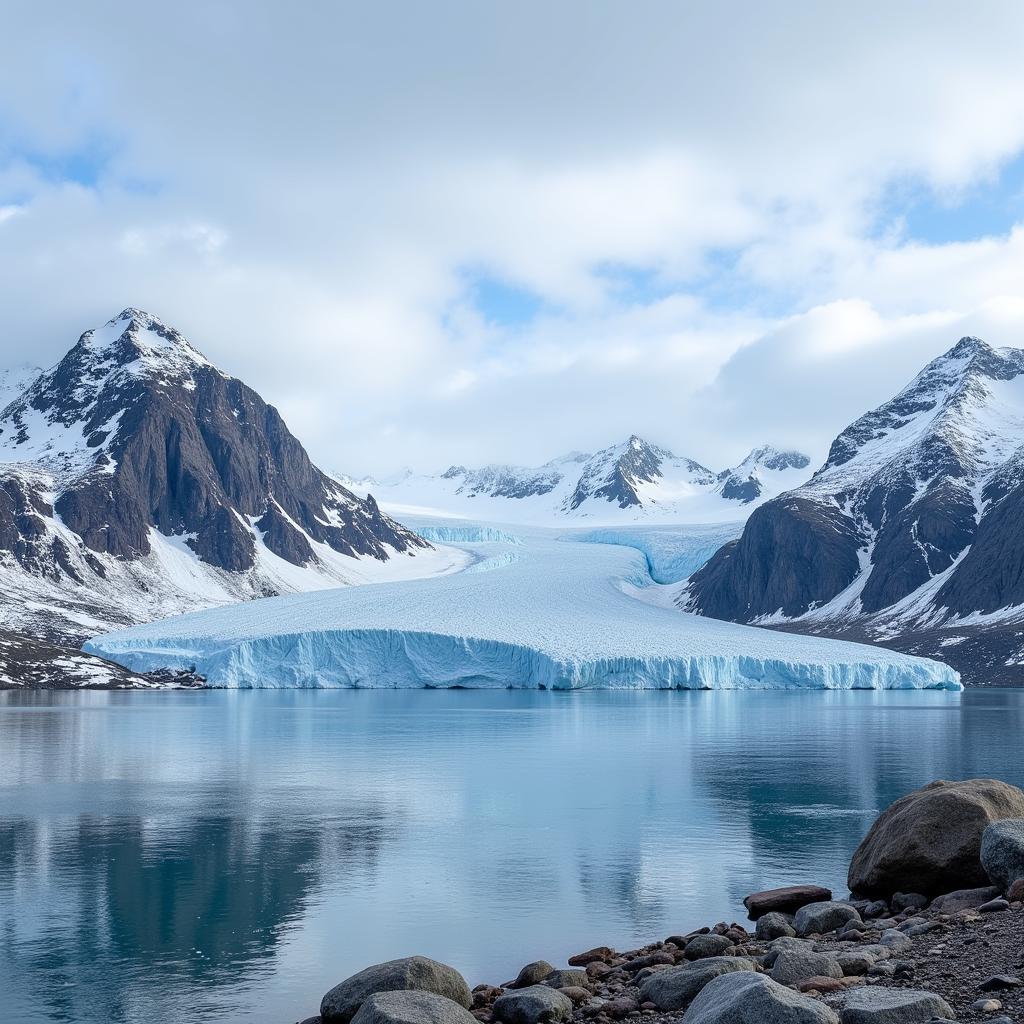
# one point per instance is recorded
(913, 956)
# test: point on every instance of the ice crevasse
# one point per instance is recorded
(550, 613)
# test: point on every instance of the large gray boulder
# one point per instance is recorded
(674, 987)
(1002, 852)
(893, 1006)
(748, 998)
(411, 1008)
(929, 841)
(793, 965)
(411, 973)
(823, 917)
(537, 1004)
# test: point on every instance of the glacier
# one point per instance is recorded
(542, 610)
(673, 552)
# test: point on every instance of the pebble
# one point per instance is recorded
(986, 1005)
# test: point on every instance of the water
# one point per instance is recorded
(212, 856)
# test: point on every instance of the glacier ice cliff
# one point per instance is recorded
(552, 613)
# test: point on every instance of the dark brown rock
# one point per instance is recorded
(602, 953)
(786, 900)
(930, 840)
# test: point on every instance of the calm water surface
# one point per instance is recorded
(216, 856)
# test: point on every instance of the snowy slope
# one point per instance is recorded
(545, 612)
(631, 482)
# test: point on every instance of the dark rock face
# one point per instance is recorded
(793, 554)
(930, 484)
(930, 839)
(149, 435)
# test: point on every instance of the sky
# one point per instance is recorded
(467, 233)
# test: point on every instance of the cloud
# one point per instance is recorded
(688, 199)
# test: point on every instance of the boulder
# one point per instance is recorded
(774, 925)
(536, 1004)
(411, 1008)
(747, 998)
(674, 987)
(878, 1005)
(793, 964)
(532, 974)
(702, 946)
(412, 973)
(963, 899)
(1002, 852)
(929, 841)
(787, 900)
(823, 917)
(854, 962)
(573, 978)
(894, 941)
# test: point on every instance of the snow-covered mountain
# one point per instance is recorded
(634, 481)
(138, 480)
(912, 530)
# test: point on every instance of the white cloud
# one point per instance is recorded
(303, 191)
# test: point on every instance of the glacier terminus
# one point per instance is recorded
(535, 609)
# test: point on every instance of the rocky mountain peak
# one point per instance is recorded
(136, 432)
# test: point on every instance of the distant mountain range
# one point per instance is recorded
(911, 534)
(138, 480)
(634, 481)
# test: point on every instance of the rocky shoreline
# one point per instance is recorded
(949, 948)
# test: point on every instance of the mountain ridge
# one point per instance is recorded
(632, 481)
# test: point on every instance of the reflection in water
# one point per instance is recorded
(227, 856)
